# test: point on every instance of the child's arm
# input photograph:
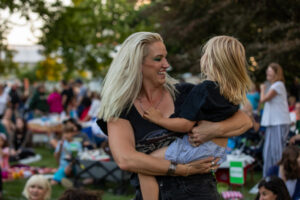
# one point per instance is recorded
(173, 124)
(58, 151)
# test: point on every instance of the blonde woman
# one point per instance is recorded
(275, 116)
(37, 188)
(215, 99)
(136, 81)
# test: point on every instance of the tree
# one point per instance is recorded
(87, 33)
(25, 7)
(268, 29)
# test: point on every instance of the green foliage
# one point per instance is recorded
(269, 31)
(86, 34)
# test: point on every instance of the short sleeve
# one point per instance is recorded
(205, 102)
(103, 125)
(191, 109)
(57, 146)
(278, 87)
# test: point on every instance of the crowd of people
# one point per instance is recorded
(71, 101)
(146, 113)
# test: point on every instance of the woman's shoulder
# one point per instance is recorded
(278, 84)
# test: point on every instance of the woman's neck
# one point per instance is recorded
(151, 94)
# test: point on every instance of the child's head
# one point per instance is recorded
(37, 187)
(274, 73)
(68, 131)
(224, 61)
(3, 140)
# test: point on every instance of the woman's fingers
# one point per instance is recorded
(204, 165)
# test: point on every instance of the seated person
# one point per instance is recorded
(272, 188)
(288, 169)
(4, 152)
(78, 135)
(8, 124)
(21, 143)
(80, 194)
(63, 153)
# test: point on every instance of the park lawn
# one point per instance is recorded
(12, 190)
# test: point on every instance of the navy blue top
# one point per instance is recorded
(141, 127)
(205, 102)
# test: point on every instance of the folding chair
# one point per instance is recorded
(101, 171)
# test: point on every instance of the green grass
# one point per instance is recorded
(12, 190)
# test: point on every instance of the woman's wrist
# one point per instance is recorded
(182, 170)
(217, 130)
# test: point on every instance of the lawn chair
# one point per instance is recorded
(101, 171)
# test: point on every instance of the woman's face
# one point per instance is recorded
(271, 75)
(265, 194)
(36, 192)
(155, 64)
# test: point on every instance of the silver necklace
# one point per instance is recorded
(156, 106)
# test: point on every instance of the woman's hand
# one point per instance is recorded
(202, 166)
(262, 87)
(205, 131)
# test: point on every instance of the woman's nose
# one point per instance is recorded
(166, 64)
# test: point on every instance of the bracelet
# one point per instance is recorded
(172, 168)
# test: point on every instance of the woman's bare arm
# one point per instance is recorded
(122, 145)
(266, 96)
(233, 126)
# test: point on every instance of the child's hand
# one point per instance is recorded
(153, 115)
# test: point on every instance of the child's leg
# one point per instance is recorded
(148, 184)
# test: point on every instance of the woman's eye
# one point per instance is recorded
(157, 59)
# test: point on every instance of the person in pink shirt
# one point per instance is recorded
(55, 102)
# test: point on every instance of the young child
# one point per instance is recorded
(63, 153)
(215, 99)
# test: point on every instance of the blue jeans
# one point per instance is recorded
(195, 187)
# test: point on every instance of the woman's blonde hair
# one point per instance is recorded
(224, 61)
(123, 81)
(38, 180)
(278, 71)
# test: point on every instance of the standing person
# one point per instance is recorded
(138, 74)
(38, 103)
(54, 101)
(253, 97)
(215, 99)
(67, 93)
(275, 116)
(272, 188)
(37, 188)
(295, 119)
(4, 98)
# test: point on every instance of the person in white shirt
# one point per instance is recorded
(4, 98)
(275, 116)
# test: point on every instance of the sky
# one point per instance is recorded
(23, 32)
